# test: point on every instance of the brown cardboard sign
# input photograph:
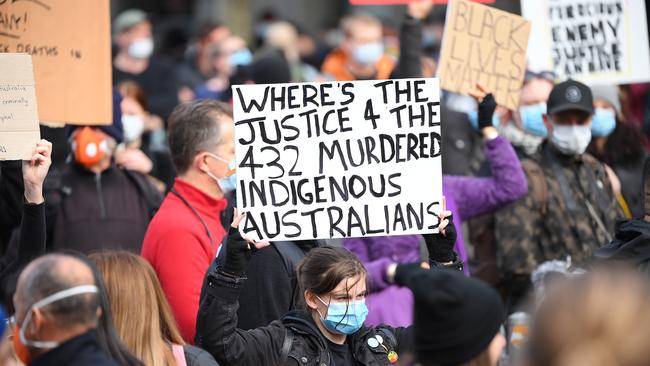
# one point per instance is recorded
(19, 130)
(484, 45)
(69, 41)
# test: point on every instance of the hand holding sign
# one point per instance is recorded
(239, 248)
(441, 245)
(486, 107)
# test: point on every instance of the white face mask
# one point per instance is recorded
(133, 126)
(74, 291)
(142, 48)
(571, 140)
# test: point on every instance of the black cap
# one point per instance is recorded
(570, 95)
(455, 317)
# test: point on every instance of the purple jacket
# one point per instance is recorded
(467, 198)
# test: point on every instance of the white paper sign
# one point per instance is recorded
(594, 41)
(338, 159)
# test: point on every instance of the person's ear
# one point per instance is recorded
(548, 124)
(36, 323)
(201, 162)
(311, 300)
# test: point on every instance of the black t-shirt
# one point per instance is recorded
(341, 354)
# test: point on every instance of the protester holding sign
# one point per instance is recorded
(570, 209)
(467, 197)
(32, 226)
(330, 328)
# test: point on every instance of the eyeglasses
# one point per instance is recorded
(546, 75)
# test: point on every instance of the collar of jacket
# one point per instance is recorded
(81, 169)
(85, 342)
(563, 159)
(302, 322)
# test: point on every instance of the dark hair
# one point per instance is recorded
(205, 28)
(324, 268)
(45, 279)
(624, 145)
(194, 127)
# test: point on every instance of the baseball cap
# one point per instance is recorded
(570, 95)
(128, 19)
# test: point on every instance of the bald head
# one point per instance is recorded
(53, 273)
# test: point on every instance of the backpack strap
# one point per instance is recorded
(538, 186)
(286, 346)
(291, 255)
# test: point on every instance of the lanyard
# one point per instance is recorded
(207, 230)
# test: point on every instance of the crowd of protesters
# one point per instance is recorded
(120, 244)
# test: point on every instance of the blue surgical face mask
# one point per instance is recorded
(473, 119)
(228, 183)
(241, 57)
(368, 53)
(344, 317)
(603, 122)
(532, 120)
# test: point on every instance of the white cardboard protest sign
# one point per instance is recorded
(19, 129)
(594, 41)
(483, 45)
(338, 159)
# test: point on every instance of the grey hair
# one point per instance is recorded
(195, 127)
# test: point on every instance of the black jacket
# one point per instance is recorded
(103, 211)
(631, 246)
(293, 340)
(272, 289)
(79, 351)
(32, 245)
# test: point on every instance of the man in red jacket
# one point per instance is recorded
(183, 237)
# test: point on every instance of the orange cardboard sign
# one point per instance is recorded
(69, 41)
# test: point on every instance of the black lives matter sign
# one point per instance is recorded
(338, 159)
(484, 45)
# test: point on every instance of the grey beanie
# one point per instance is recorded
(609, 93)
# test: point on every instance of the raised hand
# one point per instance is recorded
(35, 170)
(239, 248)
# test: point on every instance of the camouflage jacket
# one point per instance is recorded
(553, 220)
